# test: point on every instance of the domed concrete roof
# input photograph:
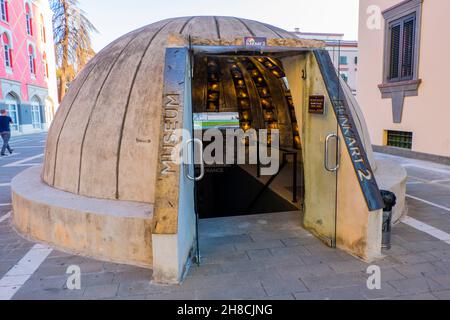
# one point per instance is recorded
(105, 137)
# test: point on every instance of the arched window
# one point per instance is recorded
(4, 10)
(29, 17)
(43, 34)
(12, 106)
(7, 50)
(49, 110)
(32, 60)
(36, 113)
(45, 62)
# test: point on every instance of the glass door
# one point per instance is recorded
(13, 112)
(320, 144)
(321, 154)
(36, 115)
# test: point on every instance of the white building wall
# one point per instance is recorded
(52, 103)
(336, 45)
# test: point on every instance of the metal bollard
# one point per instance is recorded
(390, 201)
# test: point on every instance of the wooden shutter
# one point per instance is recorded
(6, 11)
(408, 48)
(395, 52)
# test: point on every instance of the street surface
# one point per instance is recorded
(257, 257)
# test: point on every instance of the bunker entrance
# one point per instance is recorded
(244, 114)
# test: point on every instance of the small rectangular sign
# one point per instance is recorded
(317, 104)
(255, 41)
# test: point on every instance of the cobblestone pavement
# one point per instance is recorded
(258, 257)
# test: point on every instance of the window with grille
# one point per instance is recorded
(29, 19)
(400, 139)
(7, 50)
(4, 10)
(402, 48)
(32, 60)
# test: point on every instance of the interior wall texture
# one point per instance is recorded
(425, 115)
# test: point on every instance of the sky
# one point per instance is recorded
(114, 18)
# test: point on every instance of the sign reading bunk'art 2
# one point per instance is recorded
(255, 41)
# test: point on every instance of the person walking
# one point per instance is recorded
(5, 131)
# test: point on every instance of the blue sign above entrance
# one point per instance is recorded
(255, 41)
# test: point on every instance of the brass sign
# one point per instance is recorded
(317, 104)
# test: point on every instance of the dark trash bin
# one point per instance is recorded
(390, 200)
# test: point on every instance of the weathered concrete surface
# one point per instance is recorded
(105, 144)
(392, 176)
(115, 231)
(335, 207)
(118, 100)
(358, 230)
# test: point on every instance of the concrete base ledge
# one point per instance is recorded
(412, 154)
(392, 177)
(114, 231)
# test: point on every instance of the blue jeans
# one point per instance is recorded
(6, 136)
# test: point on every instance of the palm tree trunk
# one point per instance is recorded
(65, 55)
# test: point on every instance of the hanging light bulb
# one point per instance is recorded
(244, 103)
(276, 73)
(272, 126)
(213, 86)
(237, 74)
(212, 107)
(245, 115)
(269, 140)
(245, 126)
(214, 96)
(297, 141)
(266, 103)
(268, 116)
(264, 92)
(242, 94)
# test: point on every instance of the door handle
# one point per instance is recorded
(202, 163)
(327, 149)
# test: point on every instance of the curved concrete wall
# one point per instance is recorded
(116, 231)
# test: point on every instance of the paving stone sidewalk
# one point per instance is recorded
(265, 257)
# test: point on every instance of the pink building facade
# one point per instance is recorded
(27, 64)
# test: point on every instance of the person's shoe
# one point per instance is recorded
(11, 151)
(2, 155)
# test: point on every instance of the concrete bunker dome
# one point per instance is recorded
(117, 99)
